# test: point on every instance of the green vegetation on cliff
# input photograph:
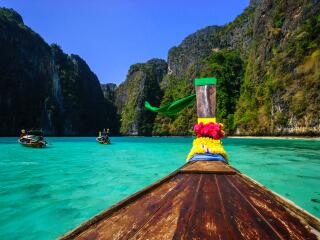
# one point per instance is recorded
(280, 93)
(142, 83)
(228, 68)
(267, 65)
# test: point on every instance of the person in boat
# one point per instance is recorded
(23, 136)
(105, 135)
(23, 133)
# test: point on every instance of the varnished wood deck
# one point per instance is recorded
(202, 200)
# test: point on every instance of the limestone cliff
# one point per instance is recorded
(142, 83)
(278, 93)
(42, 87)
(109, 91)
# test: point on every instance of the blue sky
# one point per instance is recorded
(110, 35)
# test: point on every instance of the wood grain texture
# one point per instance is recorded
(278, 216)
(206, 205)
(206, 101)
(164, 222)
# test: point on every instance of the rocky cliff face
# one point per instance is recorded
(187, 58)
(267, 65)
(142, 83)
(41, 87)
(278, 93)
(109, 91)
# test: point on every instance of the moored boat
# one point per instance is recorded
(103, 137)
(33, 139)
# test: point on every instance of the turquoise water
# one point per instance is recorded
(46, 192)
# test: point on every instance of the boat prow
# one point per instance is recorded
(202, 200)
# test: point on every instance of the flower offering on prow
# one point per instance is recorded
(208, 145)
(212, 130)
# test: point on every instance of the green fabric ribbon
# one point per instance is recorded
(172, 109)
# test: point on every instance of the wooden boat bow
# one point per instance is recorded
(202, 200)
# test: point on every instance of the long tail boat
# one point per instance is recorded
(103, 137)
(204, 199)
(33, 139)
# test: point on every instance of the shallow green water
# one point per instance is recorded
(46, 192)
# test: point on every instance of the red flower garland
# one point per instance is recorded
(212, 130)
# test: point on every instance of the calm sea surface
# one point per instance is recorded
(46, 192)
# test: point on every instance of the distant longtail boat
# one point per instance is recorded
(204, 199)
(32, 138)
(104, 137)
